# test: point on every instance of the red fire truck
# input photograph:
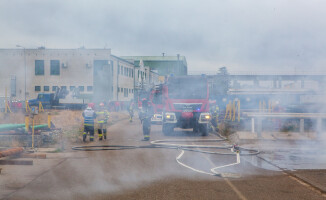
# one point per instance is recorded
(186, 104)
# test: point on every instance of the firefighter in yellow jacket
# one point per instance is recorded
(214, 121)
(102, 120)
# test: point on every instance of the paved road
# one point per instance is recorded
(149, 174)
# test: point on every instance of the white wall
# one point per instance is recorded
(76, 73)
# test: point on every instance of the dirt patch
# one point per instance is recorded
(69, 122)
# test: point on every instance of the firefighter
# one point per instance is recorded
(214, 120)
(131, 110)
(89, 117)
(147, 113)
(102, 120)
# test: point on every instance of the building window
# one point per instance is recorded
(54, 67)
(37, 88)
(39, 67)
(72, 88)
(121, 71)
(81, 88)
(132, 73)
(54, 88)
(89, 88)
(118, 69)
(46, 88)
(64, 87)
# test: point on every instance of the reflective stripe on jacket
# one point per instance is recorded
(89, 116)
(103, 117)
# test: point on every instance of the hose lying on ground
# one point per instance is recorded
(183, 147)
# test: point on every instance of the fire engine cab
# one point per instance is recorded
(186, 104)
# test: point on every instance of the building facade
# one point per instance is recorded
(163, 65)
(93, 73)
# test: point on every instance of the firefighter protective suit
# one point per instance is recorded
(89, 117)
(131, 111)
(214, 121)
(102, 120)
(146, 115)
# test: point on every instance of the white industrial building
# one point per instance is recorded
(94, 73)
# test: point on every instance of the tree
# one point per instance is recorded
(222, 81)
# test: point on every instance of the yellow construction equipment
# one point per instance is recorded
(7, 107)
(232, 109)
(28, 109)
(263, 106)
(40, 107)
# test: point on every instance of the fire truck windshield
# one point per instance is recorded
(187, 88)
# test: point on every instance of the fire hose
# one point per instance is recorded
(170, 144)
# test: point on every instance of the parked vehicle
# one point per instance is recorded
(61, 99)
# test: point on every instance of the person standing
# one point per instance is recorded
(103, 117)
(89, 117)
(215, 115)
(131, 110)
(147, 114)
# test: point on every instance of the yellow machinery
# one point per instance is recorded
(233, 110)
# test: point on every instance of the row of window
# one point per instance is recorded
(71, 88)
(125, 91)
(125, 71)
(54, 67)
(142, 74)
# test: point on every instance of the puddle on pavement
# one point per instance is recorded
(290, 160)
(258, 162)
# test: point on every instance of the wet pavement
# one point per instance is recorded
(154, 173)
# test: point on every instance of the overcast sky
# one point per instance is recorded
(243, 35)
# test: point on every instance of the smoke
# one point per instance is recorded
(243, 36)
(257, 36)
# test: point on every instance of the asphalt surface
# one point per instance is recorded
(154, 173)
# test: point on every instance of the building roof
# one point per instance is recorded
(122, 59)
(156, 58)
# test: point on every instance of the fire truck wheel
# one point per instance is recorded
(204, 129)
(167, 129)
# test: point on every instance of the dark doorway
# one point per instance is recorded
(102, 81)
